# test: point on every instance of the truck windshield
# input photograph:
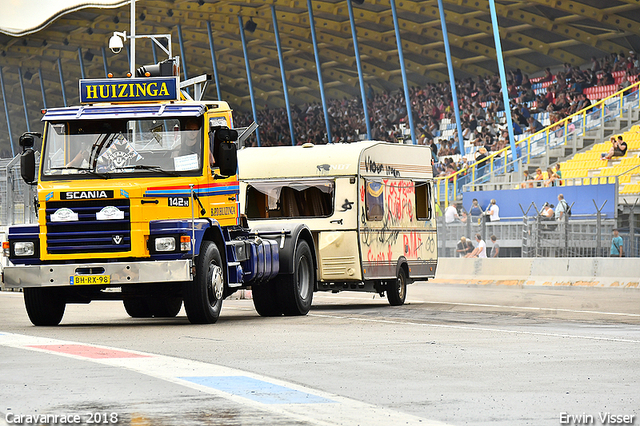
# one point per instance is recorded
(304, 198)
(99, 148)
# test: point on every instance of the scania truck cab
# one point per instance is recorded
(137, 200)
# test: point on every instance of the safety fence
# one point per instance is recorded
(563, 133)
(16, 197)
(532, 235)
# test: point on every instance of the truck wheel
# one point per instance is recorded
(137, 308)
(397, 290)
(203, 295)
(165, 307)
(45, 306)
(295, 292)
(265, 299)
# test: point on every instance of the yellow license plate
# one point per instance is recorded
(90, 279)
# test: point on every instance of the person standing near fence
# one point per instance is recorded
(493, 211)
(495, 250)
(481, 248)
(562, 208)
(616, 245)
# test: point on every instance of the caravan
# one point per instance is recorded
(369, 206)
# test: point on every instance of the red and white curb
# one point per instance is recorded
(308, 405)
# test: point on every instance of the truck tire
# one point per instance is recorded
(165, 307)
(137, 308)
(203, 295)
(265, 299)
(397, 290)
(45, 305)
(295, 291)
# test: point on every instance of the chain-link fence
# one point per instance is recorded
(16, 197)
(534, 236)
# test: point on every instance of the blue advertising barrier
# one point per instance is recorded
(582, 197)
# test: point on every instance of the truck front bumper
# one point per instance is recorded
(120, 273)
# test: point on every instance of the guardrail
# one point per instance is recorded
(538, 144)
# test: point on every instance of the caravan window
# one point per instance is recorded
(423, 201)
(374, 199)
(304, 198)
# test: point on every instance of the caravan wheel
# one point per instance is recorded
(397, 290)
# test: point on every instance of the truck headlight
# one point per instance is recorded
(24, 248)
(165, 244)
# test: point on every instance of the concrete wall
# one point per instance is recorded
(579, 272)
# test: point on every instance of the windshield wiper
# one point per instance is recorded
(151, 168)
(82, 169)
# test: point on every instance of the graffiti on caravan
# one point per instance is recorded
(380, 168)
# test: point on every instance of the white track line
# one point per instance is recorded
(486, 305)
(339, 411)
(493, 330)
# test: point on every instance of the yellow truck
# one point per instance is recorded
(137, 200)
(369, 206)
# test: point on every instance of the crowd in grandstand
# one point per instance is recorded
(480, 102)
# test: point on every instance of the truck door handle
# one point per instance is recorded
(338, 221)
(149, 201)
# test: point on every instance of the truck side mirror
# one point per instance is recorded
(28, 157)
(225, 151)
(28, 165)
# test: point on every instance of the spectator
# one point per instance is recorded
(475, 211)
(481, 159)
(481, 248)
(551, 178)
(495, 250)
(561, 208)
(493, 211)
(451, 214)
(462, 248)
(618, 148)
(616, 245)
(559, 174)
(539, 176)
(547, 212)
(527, 180)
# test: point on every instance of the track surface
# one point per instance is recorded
(452, 355)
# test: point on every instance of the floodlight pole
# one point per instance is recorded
(132, 63)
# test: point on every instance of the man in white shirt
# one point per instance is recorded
(451, 214)
(493, 211)
(561, 208)
(481, 248)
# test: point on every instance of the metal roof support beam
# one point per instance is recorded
(6, 112)
(503, 83)
(44, 97)
(452, 81)
(104, 62)
(356, 49)
(403, 69)
(154, 53)
(24, 99)
(82, 74)
(64, 92)
(214, 63)
(285, 88)
(246, 62)
(183, 57)
(316, 53)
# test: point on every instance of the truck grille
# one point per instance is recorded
(88, 234)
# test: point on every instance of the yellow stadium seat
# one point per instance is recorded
(631, 189)
(630, 161)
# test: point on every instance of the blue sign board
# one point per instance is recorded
(582, 197)
(129, 90)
